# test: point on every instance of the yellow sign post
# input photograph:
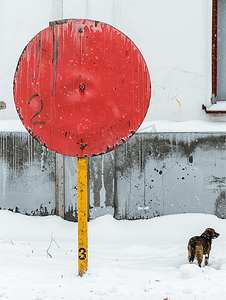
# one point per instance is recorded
(87, 95)
(82, 215)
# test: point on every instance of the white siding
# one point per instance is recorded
(174, 37)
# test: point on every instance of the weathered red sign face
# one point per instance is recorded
(81, 87)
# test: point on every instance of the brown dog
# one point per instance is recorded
(201, 245)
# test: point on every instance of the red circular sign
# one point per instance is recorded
(81, 87)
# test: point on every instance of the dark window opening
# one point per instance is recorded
(214, 50)
(218, 59)
(218, 51)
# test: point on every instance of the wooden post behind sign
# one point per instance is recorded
(82, 215)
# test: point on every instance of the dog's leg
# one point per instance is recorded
(199, 259)
(206, 259)
(199, 253)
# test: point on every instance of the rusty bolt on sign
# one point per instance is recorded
(82, 87)
(2, 105)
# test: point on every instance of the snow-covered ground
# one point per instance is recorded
(143, 259)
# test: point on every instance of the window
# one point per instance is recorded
(218, 98)
(214, 50)
(218, 50)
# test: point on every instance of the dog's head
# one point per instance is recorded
(211, 233)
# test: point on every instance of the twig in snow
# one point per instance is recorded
(9, 239)
(51, 241)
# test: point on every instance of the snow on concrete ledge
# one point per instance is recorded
(189, 126)
(12, 125)
(151, 126)
(219, 106)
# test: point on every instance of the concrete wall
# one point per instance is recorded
(153, 174)
(161, 174)
(27, 172)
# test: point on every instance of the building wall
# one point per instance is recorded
(169, 173)
(27, 172)
(173, 36)
(153, 174)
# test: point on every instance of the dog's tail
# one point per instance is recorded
(191, 253)
(199, 253)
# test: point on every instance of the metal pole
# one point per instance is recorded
(82, 216)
